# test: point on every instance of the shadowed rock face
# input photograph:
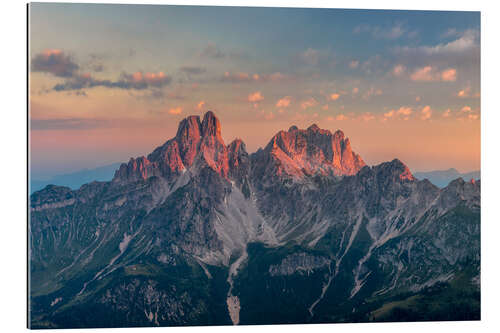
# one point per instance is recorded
(304, 220)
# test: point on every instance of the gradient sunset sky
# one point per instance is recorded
(110, 82)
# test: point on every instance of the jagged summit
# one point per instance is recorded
(196, 140)
(210, 125)
(396, 170)
(296, 153)
(300, 152)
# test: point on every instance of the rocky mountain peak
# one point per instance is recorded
(313, 128)
(396, 170)
(300, 152)
(189, 127)
(210, 125)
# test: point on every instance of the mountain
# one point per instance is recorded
(301, 231)
(441, 178)
(76, 179)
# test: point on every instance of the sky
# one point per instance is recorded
(110, 82)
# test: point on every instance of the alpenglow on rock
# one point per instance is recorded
(301, 231)
(314, 151)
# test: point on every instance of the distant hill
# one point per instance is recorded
(76, 179)
(442, 178)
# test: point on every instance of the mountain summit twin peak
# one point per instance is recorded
(294, 153)
(301, 231)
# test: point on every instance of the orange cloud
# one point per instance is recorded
(153, 79)
(200, 105)
(426, 113)
(334, 96)
(429, 73)
(284, 102)
(449, 74)
(423, 74)
(255, 97)
(466, 109)
(177, 110)
(403, 112)
(464, 92)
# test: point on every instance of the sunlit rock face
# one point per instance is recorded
(297, 153)
(195, 142)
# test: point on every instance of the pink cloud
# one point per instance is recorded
(255, 97)
(309, 103)
(449, 74)
(398, 70)
(423, 74)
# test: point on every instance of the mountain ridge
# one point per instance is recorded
(200, 232)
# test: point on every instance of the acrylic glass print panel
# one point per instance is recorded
(232, 166)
